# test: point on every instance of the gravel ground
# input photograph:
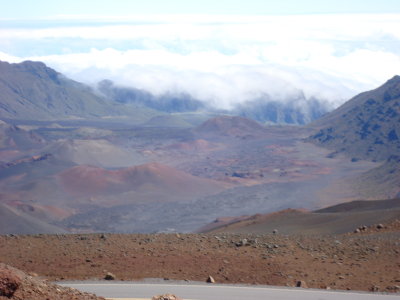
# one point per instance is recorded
(369, 260)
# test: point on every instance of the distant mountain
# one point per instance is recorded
(298, 111)
(165, 103)
(32, 91)
(365, 127)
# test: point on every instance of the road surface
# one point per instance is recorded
(134, 290)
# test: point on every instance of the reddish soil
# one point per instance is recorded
(16, 285)
(369, 260)
(90, 180)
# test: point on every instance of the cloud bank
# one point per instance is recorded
(223, 60)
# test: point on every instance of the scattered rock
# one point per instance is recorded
(243, 242)
(374, 288)
(16, 285)
(109, 276)
(379, 226)
(166, 297)
(393, 288)
(210, 279)
(301, 283)
(275, 231)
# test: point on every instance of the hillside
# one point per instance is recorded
(16, 138)
(13, 221)
(365, 127)
(232, 126)
(147, 178)
(338, 219)
(382, 180)
(32, 91)
(97, 152)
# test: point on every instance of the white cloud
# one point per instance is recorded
(222, 59)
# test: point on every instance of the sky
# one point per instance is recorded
(222, 52)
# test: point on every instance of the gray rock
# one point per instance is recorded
(210, 279)
(301, 283)
(109, 276)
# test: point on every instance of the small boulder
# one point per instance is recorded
(374, 288)
(243, 242)
(301, 283)
(210, 279)
(109, 276)
(9, 282)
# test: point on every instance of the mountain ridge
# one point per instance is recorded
(32, 91)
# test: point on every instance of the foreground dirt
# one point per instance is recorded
(369, 260)
(16, 285)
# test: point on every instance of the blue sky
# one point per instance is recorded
(223, 52)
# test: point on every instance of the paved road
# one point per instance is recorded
(219, 292)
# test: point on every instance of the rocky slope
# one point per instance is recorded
(17, 285)
(368, 260)
(365, 127)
